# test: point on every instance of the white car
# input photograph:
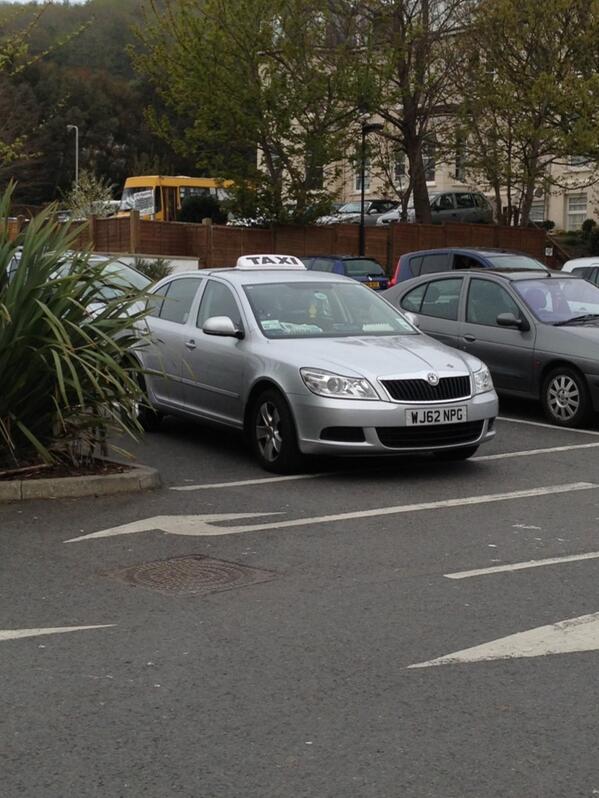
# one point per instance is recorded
(587, 268)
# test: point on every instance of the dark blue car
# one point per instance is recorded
(364, 270)
(429, 261)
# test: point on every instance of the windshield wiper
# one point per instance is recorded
(577, 319)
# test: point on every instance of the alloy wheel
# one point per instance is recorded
(268, 431)
(563, 397)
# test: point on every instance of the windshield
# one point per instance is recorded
(121, 278)
(128, 197)
(557, 300)
(363, 267)
(350, 207)
(508, 261)
(323, 310)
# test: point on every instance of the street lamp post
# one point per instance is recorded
(76, 129)
(367, 127)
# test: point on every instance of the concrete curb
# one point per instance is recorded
(137, 479)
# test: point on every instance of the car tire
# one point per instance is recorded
(272, 433)
(148, 417)
(566, 398)
(453, 455)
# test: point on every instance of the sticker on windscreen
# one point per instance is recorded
(271, 324)
(377, 327)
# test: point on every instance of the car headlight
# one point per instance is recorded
(482, 380)
(336, 386)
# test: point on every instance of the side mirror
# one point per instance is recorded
(412, 318)
(223, 326)
(509, 320)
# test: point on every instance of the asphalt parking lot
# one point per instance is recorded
(396, 628)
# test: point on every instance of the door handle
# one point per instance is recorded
(190, 343)
(469, 338)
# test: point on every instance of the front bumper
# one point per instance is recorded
(314, 414)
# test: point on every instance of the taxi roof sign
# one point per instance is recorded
(260, 262)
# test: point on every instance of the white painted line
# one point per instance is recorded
(530, 452)
(243, 482)
(16, 634)
(547, 426)
(564, 637)
(240, 483)
(203, 525)
(521, 566)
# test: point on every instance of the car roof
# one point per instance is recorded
(467, 251)
(342, 257)
(511, 275)
(242, 277)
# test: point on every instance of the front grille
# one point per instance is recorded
(430, 437)
(423, 391)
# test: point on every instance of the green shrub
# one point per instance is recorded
(66, 376)
(587, 227)
(195, 209)
(155, 268)
(594, 242)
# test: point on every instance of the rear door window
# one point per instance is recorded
(439, 262)
(322, 265)
(412, 301)
(442, 298)
(464, 200)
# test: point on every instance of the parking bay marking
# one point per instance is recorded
(563, 637)
(16, 634)
(243, 482)
(547, 426)
(521, 566)
(269, 480)
(204, 525)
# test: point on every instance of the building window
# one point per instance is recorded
(429, 162)
(399, 166)
(460, 161)
(576, 211)
(358, 177)
(537, 211)
(314, 173)
(578, 162)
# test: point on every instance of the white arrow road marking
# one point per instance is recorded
(202, 525)
(196, 525)
(564, 637)
(15, 634)
(521, 566)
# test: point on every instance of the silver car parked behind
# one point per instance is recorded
(308, 363)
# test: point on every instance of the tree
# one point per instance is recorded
(409, 63)
(260, 89)
(89, 197)
(530, 95)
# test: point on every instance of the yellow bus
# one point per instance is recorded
(159, 198)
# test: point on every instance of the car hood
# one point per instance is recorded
(580, 340)
(375, 357)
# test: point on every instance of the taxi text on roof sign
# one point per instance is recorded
(270, 262)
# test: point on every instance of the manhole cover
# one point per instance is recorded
(193, 575)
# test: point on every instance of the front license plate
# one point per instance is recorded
(443, 415)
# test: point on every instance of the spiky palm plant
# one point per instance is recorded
(66, 378)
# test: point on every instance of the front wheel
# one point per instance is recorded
(457, 454)
(566, 399)
(272, 433)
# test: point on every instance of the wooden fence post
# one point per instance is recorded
(134, 232)
(91, 229)
(207, 222)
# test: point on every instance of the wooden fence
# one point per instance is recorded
(214, 246)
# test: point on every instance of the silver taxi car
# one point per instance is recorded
(308, 363)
